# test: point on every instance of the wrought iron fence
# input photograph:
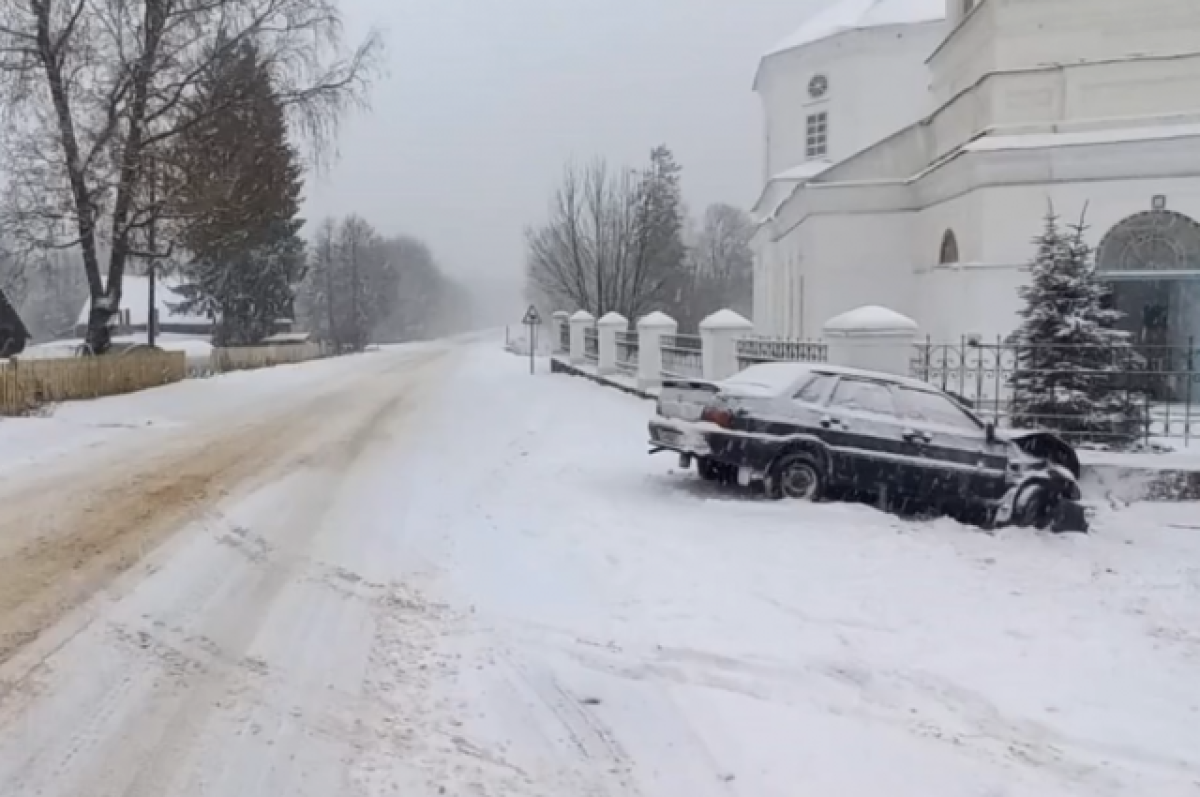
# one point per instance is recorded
(1159, 384)
(681, 356)
(564, 337)
(753, 351)
(591, 344)
(627, 352)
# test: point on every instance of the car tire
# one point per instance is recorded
(796, 477)
(709, 471)
(1034, 507)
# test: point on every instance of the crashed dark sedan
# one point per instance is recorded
(809, 432)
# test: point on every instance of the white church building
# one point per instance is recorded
(912, 148)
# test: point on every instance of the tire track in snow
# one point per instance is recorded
(116, 516)
(138, 734)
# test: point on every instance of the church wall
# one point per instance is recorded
(974, 299)
(1013, 216)
(1015, 213)
(1008, 35)
(971, 297)
(1070, 94)
(1033, 33)
(855, 260)
(1133, 88)
(966, 55)
(878, 84)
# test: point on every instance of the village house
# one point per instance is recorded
(135, 309)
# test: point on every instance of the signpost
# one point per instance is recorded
(532, 320)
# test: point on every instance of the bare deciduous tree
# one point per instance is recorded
(612, 241)
(364, 288)
(96, 90)
(720, 267)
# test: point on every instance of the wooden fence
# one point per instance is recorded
(26, 385)
(245, 358)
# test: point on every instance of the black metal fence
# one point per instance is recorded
(627, 352)
(753, 351)
(682, 356)
(1159, 384)
(591, 344)
(564, 337)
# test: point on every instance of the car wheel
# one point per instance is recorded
(1034, 507)
(796, 477)
(709, 471)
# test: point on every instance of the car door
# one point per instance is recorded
(865, 433)
(959, 462)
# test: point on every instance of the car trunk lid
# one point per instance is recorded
(685, 399)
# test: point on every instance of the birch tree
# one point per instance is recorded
(96, 91)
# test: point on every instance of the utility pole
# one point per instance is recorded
(152, 271)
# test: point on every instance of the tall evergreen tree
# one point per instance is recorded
(661, 251)
(239, 202)
(1073, 364)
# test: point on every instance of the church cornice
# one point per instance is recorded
(966, 172)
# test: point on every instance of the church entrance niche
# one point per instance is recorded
(1152, 262)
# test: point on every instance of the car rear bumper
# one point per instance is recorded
(705, 441)
(678, 436)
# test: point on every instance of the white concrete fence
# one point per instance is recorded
(873, 338)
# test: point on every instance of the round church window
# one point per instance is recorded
(818, 87)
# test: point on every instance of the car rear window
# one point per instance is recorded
(921, 405)
(770, 378)
(816, 389)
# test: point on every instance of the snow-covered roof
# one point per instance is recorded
(848, 15)
(780, 186)
(135, 297)
(805, 171)
(1084, 138)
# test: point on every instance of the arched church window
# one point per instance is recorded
(1155, 241)
(949, 252)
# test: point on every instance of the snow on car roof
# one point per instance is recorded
(776, 378)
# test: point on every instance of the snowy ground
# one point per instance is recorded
(193, 346)
(422, 571)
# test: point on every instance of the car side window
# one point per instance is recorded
(922, 405)
(860, 395)
(816, 390)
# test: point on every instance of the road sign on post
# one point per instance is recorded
(532, 320)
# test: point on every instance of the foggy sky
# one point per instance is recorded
(486, 99)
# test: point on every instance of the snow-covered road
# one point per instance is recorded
(424, 572)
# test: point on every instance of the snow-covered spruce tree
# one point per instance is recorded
(1072, 372)
(239, 202)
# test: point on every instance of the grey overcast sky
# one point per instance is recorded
(485, 100)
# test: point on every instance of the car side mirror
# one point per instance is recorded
(989, 430)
